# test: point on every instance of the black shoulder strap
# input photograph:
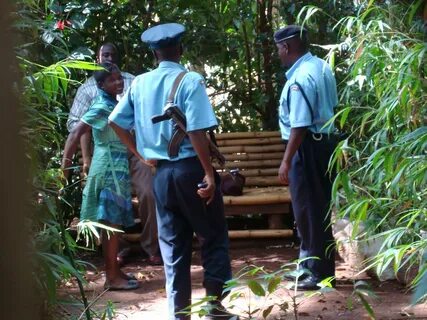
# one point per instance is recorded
(305, 98)
(176, 83)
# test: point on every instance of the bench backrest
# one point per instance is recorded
(257, 154)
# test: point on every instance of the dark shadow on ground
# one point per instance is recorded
(149, 301)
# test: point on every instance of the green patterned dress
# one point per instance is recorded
(107, 194)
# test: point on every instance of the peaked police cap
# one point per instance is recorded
(163, 35)
(288, 32)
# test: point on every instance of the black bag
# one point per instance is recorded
(232, 183)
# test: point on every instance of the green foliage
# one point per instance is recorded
(229, 42)
(382, 179)
(43, 93)
(379, 61)
(254, 293)
(109, 312)
(360, 293)
(43, 89)
(420, 293)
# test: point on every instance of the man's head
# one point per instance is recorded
(165, 41)
(107, 52)
(291, 43)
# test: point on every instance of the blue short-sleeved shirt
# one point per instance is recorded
(147, 97)
(318, 82)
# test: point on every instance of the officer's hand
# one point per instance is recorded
(151, 163)
(208, 192)
(284, 171)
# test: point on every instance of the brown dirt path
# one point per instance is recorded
(149, 301)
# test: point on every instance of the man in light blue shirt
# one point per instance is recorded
(306, 106)
(183, 208)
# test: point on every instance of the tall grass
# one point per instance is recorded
(382, 176)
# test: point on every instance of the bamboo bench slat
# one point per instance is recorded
(258, 141)
(263, 181)
(266, 172)
(253, 149)
(258, 155)
(257, 196)
(240, 135)
(253, 156)
(275, 163)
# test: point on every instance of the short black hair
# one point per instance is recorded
(110, 44)
(102, 74)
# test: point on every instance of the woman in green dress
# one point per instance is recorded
(107, 193)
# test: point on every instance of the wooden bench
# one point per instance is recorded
(258, 156)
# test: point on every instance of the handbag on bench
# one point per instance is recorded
(232, 183)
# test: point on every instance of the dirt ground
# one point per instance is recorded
(149, 301)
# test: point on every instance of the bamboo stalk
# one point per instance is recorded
(253, 234)
(235, 234)
(275, 163)
(253, 149)
(255, 141)
(254, 156)
(265, 199)
(260, 172)
(240, 135)
(263, 181)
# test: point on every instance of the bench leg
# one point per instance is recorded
(275, 221)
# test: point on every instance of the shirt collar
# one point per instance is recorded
(107, 96)
(297, 63)
(171, 64)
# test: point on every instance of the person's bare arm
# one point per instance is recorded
(85, 145)
(295, 139)
(129, 141)
(71, 146)
(200, 144)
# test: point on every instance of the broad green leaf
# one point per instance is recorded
(256, 288)
(273, 284)
(367, 306)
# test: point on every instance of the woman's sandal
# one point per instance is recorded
(131, 285)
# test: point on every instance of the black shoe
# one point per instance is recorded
(300, 274)
(310, 283)
(218, 312)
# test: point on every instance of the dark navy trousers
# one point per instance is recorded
(180, 213)
(311, 185)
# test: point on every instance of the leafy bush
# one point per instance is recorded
(382, 179)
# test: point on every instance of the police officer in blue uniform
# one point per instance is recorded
(306, 105)
(182, 207)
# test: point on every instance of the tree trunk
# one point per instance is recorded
(269, 117)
